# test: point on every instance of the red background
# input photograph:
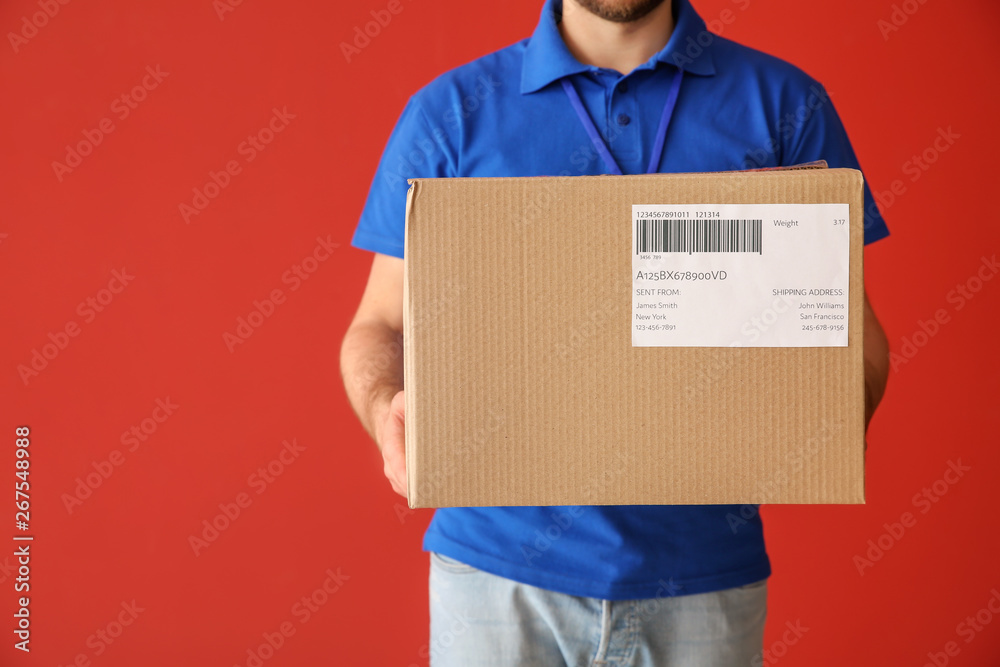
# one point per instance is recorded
(162, 336)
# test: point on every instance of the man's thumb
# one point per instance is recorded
(397, 406)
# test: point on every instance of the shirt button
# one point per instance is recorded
(623, 119)
(623, 87)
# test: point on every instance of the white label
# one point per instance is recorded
(740, 275)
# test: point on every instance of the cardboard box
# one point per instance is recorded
(530, 380)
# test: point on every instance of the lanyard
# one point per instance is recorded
(595, 136)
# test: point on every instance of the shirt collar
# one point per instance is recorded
(546, 58)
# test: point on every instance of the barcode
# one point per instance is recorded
(690, 236)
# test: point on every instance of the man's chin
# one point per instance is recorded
(620, 11)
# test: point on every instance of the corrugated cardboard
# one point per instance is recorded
(523, 388)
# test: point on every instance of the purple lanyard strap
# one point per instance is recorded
(595, 136)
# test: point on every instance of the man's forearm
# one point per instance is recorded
(371, 364)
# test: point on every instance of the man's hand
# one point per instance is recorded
(390, 437)
(876, 353)
(371, 363)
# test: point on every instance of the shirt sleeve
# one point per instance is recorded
(821, 136)
(414, 150)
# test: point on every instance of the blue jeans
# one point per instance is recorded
(482, 620)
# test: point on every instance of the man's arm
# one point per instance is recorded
(371, 364)
(876, 353)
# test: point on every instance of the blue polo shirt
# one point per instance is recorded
(506, 114)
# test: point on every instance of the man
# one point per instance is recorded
(591, 92)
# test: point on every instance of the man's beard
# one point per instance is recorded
(620, 11)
